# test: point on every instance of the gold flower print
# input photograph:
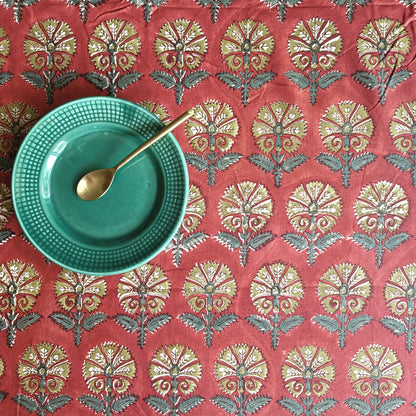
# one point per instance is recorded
(276, 291)
(76, 291)
(79, 296)
(315, 205)
(308, 373)
(382, 48)
(43, 367)
(4, 46)
(181, 43)
(246, 206)
(314, 47)
(212, 132)
(114, 44)
(241, 371)
(279, 128)
(175, 369)
(209, 286)
(50, 44)
(49, 47)
(246, 48)
(308, 370)
(109, 367)
(375, 370)
(276, 287)
(346, 128)
(195, 209)
(247, 44)
(400, 296)
(343, 291)
(383, 42)
(245, 209)
(180, 47)
(209, 289)
(315, 43)
(113, 48)
(43, 370)
(16, 119)
(6, 205)
(380, 210)
(403, 133)
(144, 288)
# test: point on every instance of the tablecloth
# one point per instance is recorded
(289, 288)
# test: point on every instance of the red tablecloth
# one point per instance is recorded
(290, 286)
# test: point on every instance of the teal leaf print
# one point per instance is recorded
(358, 162)
(367, 79)
(322, 243)
(194, 321)
(354, 324)
(157, 403)
(84, 6)
(296, 240)
(55, 403)
(215, 6)
(390, 404)
(326, 322)
(359, 405)
(400, 162)
(34, 79)
(290, 323)
(259, 322)
(301, 80)
(223, 321)
(256, 403)
(186, 405)
(225, 161)
(260, 240)
(127, 79)
(293, 406)
(323, 405)
(93, 320)
(395, 241)
(157, 322)
(62, 320)
(92, 402)
(259, 80)
(4, 77)
(127, 322)
(331, 161)
(232, 80)
(293, 162)
(229, 240)
(98, 80)
(364, 241)
(26, 402)
(197, 161)
(163, 78)
(263, 162)
(64, 79)
(395, 325)
(225, 403)
(281, 6)
(398, 77)
(27, 320)
(122, 402)
(328, 79)
(194, 78)
(350, 6)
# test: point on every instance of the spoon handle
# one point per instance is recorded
(167, 129)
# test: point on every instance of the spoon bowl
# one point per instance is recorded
(96, 183)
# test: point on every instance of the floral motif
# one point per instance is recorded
(400, 296)
(281, 6)
(245, 209)
(344, 288)
(19, 286)
(247, 44)
(113, 48)
(49, 48)
(314, 46)
(109, 367)
(315, 43)
(195, 210)
(400, 292)
(78, 295)
(309, 370)
(6, 205)
(375, 370)
(241, 368)
(245, 206)
(16, 119)
(276, 291)
(50, 44)
(157, 109)
(383, 42)
(78, 291)
(343, 291)
(180, 46)
(350, 6)
(211, 286)
(346, 125)
(246, 48)
(213, 130)
(44, 367)
(382, 48)
(380, 209)
(381, 206)
(144, 288)
(403, 133)
(279, 127)
(314, 205)
(108, 370)
(175, 368)
(276, 287)
(213, 126)
(181, 43)
(4, 46)
(114, 44)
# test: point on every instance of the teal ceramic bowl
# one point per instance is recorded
(133, 221)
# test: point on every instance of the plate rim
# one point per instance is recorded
(85, 270)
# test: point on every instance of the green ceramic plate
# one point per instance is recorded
(133, 221)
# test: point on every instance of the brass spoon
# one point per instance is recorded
(96, 183)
